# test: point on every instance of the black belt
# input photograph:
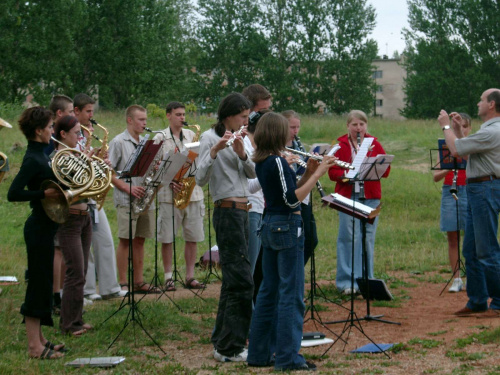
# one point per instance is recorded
(481, 179)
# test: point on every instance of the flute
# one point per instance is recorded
(339, 163)
(233, 137)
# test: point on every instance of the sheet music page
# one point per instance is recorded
(349, 203)
(360, 157)
(173, 162)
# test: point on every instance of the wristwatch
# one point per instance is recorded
(446, 127)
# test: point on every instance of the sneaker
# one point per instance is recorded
(456, 286)
(347, 291)
(241, 357)
(93, 297)
(87, 302)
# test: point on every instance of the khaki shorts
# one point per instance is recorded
(142, 225)
(191, 219)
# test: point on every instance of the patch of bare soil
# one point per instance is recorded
(428, 332)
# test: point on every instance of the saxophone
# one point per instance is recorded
(181, 199)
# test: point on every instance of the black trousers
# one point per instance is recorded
(39, 232)
(235, 303)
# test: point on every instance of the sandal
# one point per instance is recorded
(51, 346)
(194, 284)
(49, 354)
(145, 288)
(169, 286)
(124, 287)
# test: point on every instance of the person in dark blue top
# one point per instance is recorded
(39, 231)
(278, 317)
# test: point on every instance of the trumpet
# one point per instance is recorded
(233, 137)
(339, 163)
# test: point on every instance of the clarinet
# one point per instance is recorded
(318, 184)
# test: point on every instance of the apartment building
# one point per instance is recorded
(389, 76)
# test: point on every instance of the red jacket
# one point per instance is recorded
(372, 188)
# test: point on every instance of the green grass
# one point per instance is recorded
(408, 240)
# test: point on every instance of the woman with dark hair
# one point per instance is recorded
(227, 170)
(74, 238)
(279, 311)
(39, 231)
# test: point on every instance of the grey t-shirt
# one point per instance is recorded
(483, 148)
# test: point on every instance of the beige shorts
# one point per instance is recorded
(191, 219)
(142, 225)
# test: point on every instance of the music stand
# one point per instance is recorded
(136, 166)
(447, 162)
(211, 270)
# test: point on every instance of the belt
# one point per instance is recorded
(233, 204)
(481, 179)
(74, 211)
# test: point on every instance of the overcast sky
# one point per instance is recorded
(392, 16)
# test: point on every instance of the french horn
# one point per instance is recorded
(72, 169)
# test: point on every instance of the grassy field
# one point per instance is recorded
(408, 238)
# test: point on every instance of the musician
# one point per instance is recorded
(259, 97)
(191, 218)
(120, 150)
(102, 259)
(310, 232)
(74, 237)
(279, 312)
(448, 217)
(256, 198)
(61, 106)
(357, 123)
(227, 169)
(39, 231)
(481, 248)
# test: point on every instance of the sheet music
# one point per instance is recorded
(360, 157)
(173, 162)
(346, 202)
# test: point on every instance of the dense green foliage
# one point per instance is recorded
(143, 51)
(452, 55)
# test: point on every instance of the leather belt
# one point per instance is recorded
(233, 204)
(74, 211)
(481, 179)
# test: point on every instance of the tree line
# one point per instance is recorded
(154, 51)
(303, 51)
(452, 55)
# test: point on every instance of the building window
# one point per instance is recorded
(380, 88)
(377, 74)
(378, 103)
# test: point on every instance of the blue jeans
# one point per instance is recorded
(344, 247)
(254, 222)
(235, 302)
(481, 249)
(279, 312)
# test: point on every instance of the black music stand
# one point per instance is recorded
(211, 270)
(314, 314)
(136, 166)
(447, 162)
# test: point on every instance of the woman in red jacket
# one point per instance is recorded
(349, 144)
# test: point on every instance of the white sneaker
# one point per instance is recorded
(241, 357)
(457, 285)
(87, 302)
(93, 297)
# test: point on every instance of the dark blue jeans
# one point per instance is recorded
(279, 312)
(481, 248)
(235, 303)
